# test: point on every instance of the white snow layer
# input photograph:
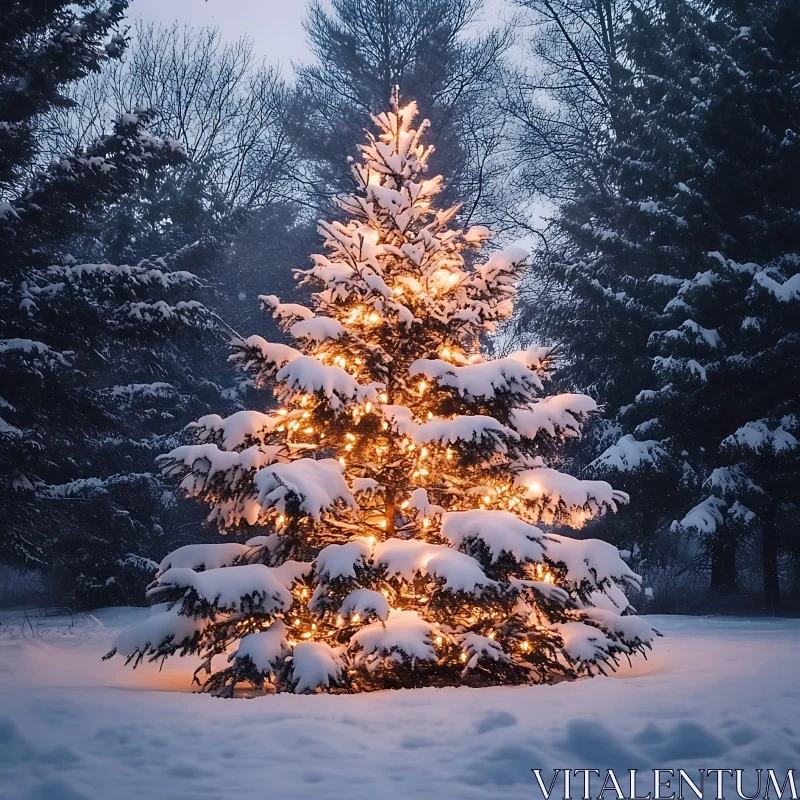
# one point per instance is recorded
(464, 428)
(480, 381)
(317, 485)
(628, 455)
(315, 664)
(227, 587)
(365, 601)
(207, 556)
(404, 633)
(500, 531)
(72, 726)
(265, 648)
(405, 558)
(759, 436)
(555, 414)
(555, 488)
(234, 431)
(340, 560)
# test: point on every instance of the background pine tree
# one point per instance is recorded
(93, 384)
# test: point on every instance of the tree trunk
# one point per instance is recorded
(723, 565)
(390, 512)
(769, 558)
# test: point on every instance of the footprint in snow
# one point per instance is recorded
(495, 720)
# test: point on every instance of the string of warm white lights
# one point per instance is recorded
(401, 479)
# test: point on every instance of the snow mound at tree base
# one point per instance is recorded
(74, 727)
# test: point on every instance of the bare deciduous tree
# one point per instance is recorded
(561, 103)
(217, 98)
(431, 51)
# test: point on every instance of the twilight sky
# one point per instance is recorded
(275, 26)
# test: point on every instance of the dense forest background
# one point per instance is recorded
(154, 181)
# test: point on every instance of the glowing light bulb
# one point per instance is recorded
(282, 412)
(487, 498)
(372, 541)
(463, 657)
(404, 504)
(424, 452)
(383, 523)
(374, 318)
(368, 406)
(342, 461)
(384, 397)
(449, 454)
(423, 385)
(350, 437)
(308, 430)
(307, 635)
(355, 618)
(446, 352)
(426, 523)
(281, 519)
(535, 487)
(348, 447)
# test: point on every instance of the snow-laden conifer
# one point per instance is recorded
(405, 482)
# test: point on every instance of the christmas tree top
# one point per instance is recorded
(401, 479)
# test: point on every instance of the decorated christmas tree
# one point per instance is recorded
(401, 480)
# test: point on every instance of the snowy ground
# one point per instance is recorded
(718, 692)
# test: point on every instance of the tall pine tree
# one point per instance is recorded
(85, 361)
(433, 52)
(684, 270)
(400, 482)
(735, 323)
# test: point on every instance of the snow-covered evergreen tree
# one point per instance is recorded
(715, 420)
(87, 414)
(401, 480)
(728, 348)
(627, 238)
(94, 379)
